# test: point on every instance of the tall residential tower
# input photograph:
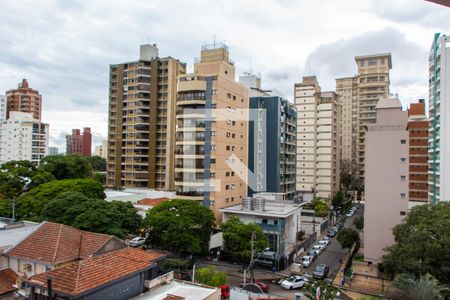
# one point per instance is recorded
(141, 126)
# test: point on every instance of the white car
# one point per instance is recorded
(325, 238)
(324, 243)
(306, 261)
(349, 214)
(137, 241)
(294, 282)
(317, 248)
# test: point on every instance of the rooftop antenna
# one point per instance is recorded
(214, 40)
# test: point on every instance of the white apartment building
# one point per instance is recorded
(439, 127)
(23, 138)
(101, 150)
(318, 139)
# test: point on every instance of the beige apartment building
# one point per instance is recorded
(386, 181)
(347, 89)
(318, 139)
(141, 126)
(359, 96)
(212, 132)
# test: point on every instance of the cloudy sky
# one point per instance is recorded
(64, 48)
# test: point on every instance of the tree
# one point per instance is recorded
(421, 243)
(320, 207)
(237, 238)
(64, 208)
(338, 200)
(424, 288)
(66, 167)
(347, 238)
(31, 203)
(349, 177)
(15, 178)
(211, 276)
(97, 163)
(100, 177)
(359, 223)
(183, 226)
(130, 221)
(327, 292)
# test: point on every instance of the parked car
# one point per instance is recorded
(306, 261)
(137, 241)
(321, 271)
(324, 243)
(264, 287)
(325, 238)
(331, 232)
(317, 248)
(313, 254)
(294, 282)
(335, 228)
(349, 214)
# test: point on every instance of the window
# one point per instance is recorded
(227, 187)
(403, 159)
(227, 174)
(372, 62)
(403, 195)
(403, 141)
(229, 95)
(403, 177)
(402, 213)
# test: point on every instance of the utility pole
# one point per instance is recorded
(252, 254)
(14, 209)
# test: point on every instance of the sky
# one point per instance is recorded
(64, 48)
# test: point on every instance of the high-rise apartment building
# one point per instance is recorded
(439, 126)
(101, 150)
(418, 153)
(272, 145)
(386, 180)
(24, 99)
(53, 151)
(79, 143)
(2, 108)
(318, 139)
(141, 126)
(23, 138)
(373, 84)
(211, 135)
(347, 89)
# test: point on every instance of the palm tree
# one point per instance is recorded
(424, 288)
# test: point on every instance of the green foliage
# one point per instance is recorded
(327, 292)
(66, 167)
(338, 200)
(41, 177)
(425, 288)
(176, 264)
(359, 223)
(347, 238)
(422, 243)
(237, 238)
(5, 208)
(99, 216)
(100, 177)
(320, 207)
(31, 204)
(180, 225)
(97, 163)
(64, 208)
(14, 177)
(211, 276)
(349, 177)
(130, 221)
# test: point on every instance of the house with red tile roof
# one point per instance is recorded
(52, 245)
(115, 275)
(7, 279)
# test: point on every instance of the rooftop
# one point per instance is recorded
(388, 103)
(272, 209)
(11, 234)
(81, 277)
(134, 195)
(53, 243)
(7, 279)
(179, 290)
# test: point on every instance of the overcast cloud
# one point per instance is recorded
(64, 48)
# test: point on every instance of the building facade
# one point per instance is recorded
(53, 151)
(24, 99)
(347, 90)
(2, 108)
(141, 126)
(211, 134)
(386, 180)
(418, 154)
(272, 146)
(102, 149)
(439, 126)
(373, 84)
(23, 138)
(79, 143)
(318, 139)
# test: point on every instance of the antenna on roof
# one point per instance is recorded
(214, 40)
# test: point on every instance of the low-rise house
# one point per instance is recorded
(8, 279)
(52, 245)
(166, 287)
(279, 220)
(115, 275)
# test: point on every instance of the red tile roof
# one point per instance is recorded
(152, 201)
(54, 243)
(82, 276)
(7, 278)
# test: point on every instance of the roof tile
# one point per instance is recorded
(7, 278)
